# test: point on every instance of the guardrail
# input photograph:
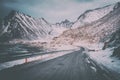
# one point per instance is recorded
(44, 57)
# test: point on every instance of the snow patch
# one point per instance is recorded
(93, 68)
(104, 57)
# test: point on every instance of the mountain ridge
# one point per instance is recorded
(26, 26)
(39, 28)
(101, 30)
(18, 25)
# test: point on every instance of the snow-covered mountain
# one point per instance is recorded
(105, 30)
(93, 15)
(102, 30)
(101, 25)
(59, 28)
(66, 23)
(21, 26)
(18, 25)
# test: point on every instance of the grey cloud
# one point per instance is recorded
(53, 10)
(84, 0)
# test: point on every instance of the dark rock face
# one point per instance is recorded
(116, 52)
(115, 42)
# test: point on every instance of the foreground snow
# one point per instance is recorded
(103, 57)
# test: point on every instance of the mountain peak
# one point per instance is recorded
(12, 14)
(65, 21)
(15, 13)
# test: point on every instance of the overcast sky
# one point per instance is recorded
(52, 10)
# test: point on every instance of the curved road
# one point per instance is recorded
(72, 66)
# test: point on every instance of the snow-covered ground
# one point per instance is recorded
(65, 47)
(88, 45)
(103, 57)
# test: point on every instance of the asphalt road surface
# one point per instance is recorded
(72, 66)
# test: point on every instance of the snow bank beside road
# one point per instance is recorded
(103, 57)
(44, 57)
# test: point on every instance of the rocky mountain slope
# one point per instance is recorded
(103, 30)
(21, 26)
(92, 15)
(18, 25)
(101, 25)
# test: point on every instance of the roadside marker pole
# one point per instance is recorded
(26, 60)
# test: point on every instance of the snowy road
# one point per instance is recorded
(72, 66)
